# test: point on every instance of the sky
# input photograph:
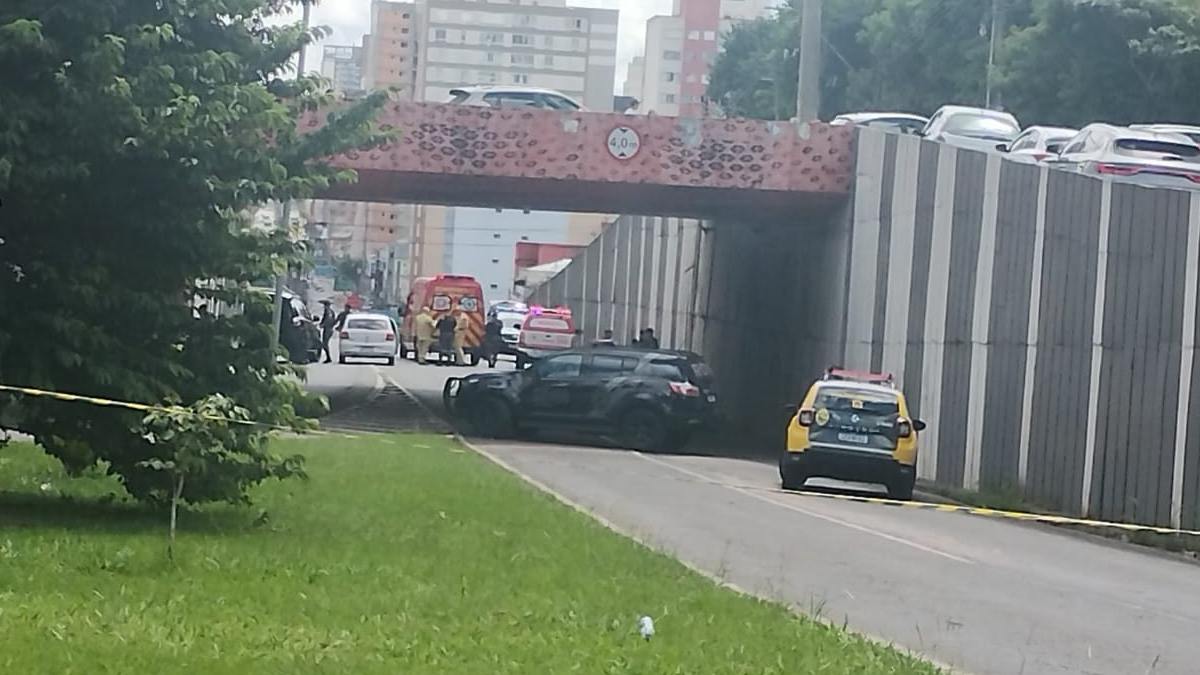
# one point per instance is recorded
(350, 19)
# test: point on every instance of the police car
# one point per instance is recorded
(853, 426)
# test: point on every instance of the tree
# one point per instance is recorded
(134, 137)
(755, 74)
(1120, 61)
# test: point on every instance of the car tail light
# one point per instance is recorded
(904, 429)
(805, 418)
(685, 389)
(1194, 177)
(345, 335)
(390, 337)
(1116, 169)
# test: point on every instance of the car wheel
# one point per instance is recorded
(643, 430)
(491, 417)
(901, 487)
(791, 478)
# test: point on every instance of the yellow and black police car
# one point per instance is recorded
(853, 426)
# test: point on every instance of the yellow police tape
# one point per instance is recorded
(995, 513)
(143, 407)
(951, 508)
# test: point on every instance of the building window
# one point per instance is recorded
(520, 78)
(710, 35)
(578, 24)
(439, 34)
(668, 98)
(524, 238)
(404, 31)
(548, 59)
(493, 38)
(495, 261)
(693, 35)
(494, 286)
(487, 76)
(670, 77)
(549, 42)
(575, 44)
(526, 20)
(522, 59)
(519, 39)
(496, 235)
(671, 55)
(490, 57)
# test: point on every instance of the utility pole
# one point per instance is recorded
(808, 90)
(286, 214)
(999, 28)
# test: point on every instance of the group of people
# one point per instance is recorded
(449, 332)
(645, 340)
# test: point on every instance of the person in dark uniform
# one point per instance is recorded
(328, 324)
(493, 340)
(445, 330)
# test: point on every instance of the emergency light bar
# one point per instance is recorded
(842, 374)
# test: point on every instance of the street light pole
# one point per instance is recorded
(285, 219)
(808, 90)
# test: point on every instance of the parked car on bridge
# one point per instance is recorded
(368, 336)
(644, 399)
(1144, 157)
(513, 97)
(1038, 144)
(904, 123)
(971, 128)
(1191, 131)
(854, 427)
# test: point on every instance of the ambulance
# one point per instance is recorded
(443, 294)
(544, 332)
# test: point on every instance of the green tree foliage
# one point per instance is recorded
(134, 136)
(1119, 61)
(1058, 62)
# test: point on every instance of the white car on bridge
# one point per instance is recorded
(1038, 144)
(972, 128)
(488, 96)
(1144, 157)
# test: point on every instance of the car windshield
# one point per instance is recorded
(1155, 149)
(982, 126)
(368, 324)
(849, 399)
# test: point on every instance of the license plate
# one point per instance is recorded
(860, 439)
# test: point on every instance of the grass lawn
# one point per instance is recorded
(402, 554)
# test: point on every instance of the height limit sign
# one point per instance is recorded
(623, 143)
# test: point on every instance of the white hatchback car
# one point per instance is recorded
(513, 97)
(1145, 157)
(971, 128)
(368, 336)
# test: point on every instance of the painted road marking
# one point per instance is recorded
(755, 493)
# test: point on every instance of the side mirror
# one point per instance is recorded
(1054, 148)
(920, 425)
(1002, 147)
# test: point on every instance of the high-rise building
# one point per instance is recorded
(391, 48)
(343, 65)
(634, 77)
(681, 49)
(535, 43)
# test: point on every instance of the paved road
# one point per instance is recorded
(982, 595)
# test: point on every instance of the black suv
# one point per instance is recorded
(644, 399)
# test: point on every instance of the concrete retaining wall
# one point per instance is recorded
(1046, 325)
(1043, 322)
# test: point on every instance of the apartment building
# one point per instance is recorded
(680, 51)
(535, 43)
(392, 48)
(344, 65)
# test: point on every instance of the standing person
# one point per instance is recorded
(342, 316)
(424, 327)
(328, 323)
(647, 339)
(461, 324)
(493, 340)
(606, 339)
(445, 331)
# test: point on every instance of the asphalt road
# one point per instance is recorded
(978, 594)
